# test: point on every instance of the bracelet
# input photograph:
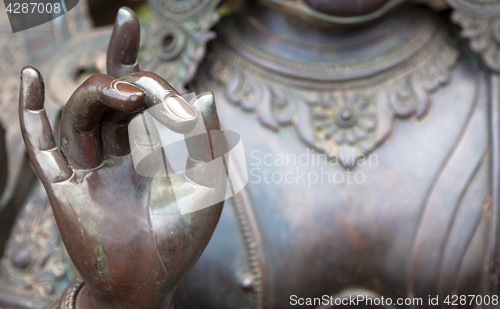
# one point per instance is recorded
(68, 297)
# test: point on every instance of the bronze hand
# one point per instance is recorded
(123, 231)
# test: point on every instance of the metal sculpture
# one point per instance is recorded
(141, 244)
(384, 91)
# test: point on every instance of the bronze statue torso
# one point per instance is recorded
(412, 219)
(372, 154)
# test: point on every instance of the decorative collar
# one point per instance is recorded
(345, 107)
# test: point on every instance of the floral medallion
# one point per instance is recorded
(343, 120)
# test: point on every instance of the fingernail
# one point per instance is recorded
(125, 14)
(127, 89)
(179, 107)
(206, 103)
(32, 84)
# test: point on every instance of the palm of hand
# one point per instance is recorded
(123, 231)
(132, 241)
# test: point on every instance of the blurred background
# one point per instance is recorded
(103, 12)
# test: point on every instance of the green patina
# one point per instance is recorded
(101, 264)
(187, 218)
(81, 228)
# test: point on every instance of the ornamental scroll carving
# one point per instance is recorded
(346, 123)
(175, 40)
(480, 23)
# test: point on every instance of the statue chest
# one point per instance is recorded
(382, 226)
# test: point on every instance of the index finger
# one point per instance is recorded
(80, 132)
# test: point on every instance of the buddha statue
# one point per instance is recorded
(368, 132)
(371, 137)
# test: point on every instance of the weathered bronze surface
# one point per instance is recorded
(123, 231)
(398, 101)
(381, 89)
